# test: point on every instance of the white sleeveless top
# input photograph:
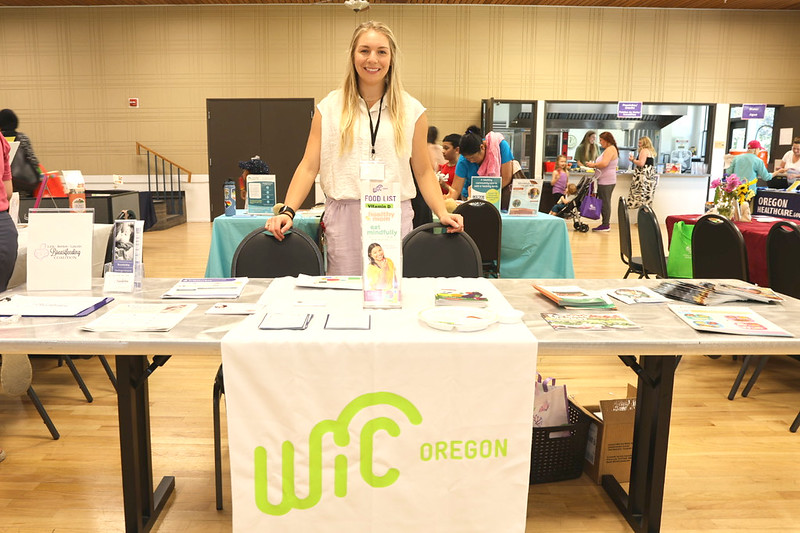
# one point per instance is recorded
(339, 173)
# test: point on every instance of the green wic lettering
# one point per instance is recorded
(341, 437)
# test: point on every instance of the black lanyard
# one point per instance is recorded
(373, 131)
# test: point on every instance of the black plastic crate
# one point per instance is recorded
(560, 458)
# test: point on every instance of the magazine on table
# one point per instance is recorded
(636, 295)
(207, 288)
(592, 321)
(707, 293)
(141, 317)
(574, 297)
(734, 320)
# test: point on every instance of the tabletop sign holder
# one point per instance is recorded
(60, 249)
(126, 270)
(260, 194)
(381, 238)
(525, 197)
(486, 188)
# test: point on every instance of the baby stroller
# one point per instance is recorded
(573, 208)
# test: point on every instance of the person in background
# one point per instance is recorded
(790, 171)
(8, 125)
(370, 117)
(450, 152)
(8, 230)
(489, 156)
(645, 179)
(569, 194)
(560, 178)
(434, 149)
(254, 165)
(587, 150)
(749, 166)
(607, 177)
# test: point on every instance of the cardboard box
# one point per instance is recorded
(610, 441)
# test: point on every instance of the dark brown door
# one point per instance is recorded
(276, 129)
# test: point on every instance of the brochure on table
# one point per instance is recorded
(260, 194)
(735, 320)
(141, 317)
(207, 288)
(486, 188)
(60, 249)
(525, 197)
(19, 304)
(381, 238)
(126, 263)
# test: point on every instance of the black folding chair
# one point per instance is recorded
(634, 264)
(651, 244)
(261, 255)
(482, 222)
(430, 252)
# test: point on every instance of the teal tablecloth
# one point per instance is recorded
(532, 247)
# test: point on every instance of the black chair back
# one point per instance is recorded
(260, 255)
(625, 242)
(429, 251)
(718, 249)
(651, 243)
(482, 222)
(783, 256)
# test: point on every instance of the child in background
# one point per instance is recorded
(450, 152)
(560, 178)
(564, 199)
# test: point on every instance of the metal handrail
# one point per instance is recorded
(140, 146)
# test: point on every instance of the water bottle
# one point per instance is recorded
(230, 198)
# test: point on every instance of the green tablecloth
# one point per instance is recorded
(532, 247)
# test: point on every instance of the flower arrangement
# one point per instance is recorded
(731, 192)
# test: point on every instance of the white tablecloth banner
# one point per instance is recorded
(399, 428)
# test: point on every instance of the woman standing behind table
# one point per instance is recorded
(645, 179)
(489, 156)
(560, 178)
(790, 171)
(587, 150)
(370, 117)
(607, 177)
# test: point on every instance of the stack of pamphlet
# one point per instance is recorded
(573, 297)
(734, 320)
(706, 293)
(467, 298)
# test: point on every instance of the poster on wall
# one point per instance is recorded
(381, 237)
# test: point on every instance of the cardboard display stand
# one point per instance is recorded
(610, 442)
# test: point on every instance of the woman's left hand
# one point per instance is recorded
(456, 222)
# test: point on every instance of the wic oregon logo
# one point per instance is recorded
(341, 437)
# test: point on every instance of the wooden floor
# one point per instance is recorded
(732, 466)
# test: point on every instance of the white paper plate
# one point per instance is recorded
(458, 318)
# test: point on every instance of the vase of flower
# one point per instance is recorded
(726, 206)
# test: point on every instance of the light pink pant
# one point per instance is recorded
(342, 220)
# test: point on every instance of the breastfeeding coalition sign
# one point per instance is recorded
(60, 250)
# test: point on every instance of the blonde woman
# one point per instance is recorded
(645, 179)
(370, 117)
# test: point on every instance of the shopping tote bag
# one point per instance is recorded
(679, 262)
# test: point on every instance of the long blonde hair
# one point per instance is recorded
(648, 144)
(393, 94)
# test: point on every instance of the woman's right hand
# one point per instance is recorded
(278, 225)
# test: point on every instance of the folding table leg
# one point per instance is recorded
(141, 504)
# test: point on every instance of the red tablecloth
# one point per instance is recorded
(755, 240)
